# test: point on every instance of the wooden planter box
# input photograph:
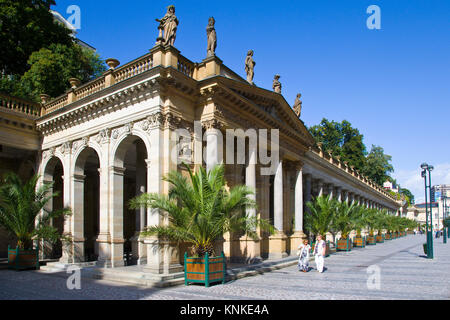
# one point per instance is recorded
(23, 259)
(380, 238)
(344, 245)
(359, 242)
(371, 240)
(205, 270)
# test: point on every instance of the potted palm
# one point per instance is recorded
(320, 218)
(360, 223)
(371, 220)
(200, 210)
(23, 213)
(380, 224)
(344, 223)
(390, 226)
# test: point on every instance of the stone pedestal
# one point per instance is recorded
(162, 257)
(295, 240)
(104, 250)
(277, 245)
(138, 250)
(250, 249)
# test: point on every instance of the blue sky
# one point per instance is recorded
(392, 84)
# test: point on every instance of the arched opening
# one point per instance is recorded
(131, 155)
(53, 173)
(87, 202)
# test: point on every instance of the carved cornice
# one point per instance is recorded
(95, 109)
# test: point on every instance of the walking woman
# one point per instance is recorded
(303, 259)
(319, 253)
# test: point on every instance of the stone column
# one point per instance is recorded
(331, 191)
(339, 194)
(298, 234)
(251, 247)
(308, 186)
(104, 236)
(319, 188)
(116, 217)
(214, 146)
(67, 248)
(277, 242)
(77, 190)
(162, 256)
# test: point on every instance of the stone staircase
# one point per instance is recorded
(137, 276)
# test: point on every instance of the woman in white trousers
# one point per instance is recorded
(319, 253)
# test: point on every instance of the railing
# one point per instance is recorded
(56, 104)
(185, 66)
(20, 105)
(326, 156)
(133, 68)
(90, 88)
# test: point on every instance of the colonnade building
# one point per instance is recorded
(106, 141)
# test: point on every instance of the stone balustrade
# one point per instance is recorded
(19, 105)
(185, 66)
(343, 165)
(133, 68)
(90, 88)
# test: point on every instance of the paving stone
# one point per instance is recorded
(405, 273)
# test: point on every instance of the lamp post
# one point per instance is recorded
(429, 229)
(444, 216)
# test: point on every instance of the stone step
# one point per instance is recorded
(140, 278)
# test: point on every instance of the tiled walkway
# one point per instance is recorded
(404, 273)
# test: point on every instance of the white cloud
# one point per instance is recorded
(413, 181)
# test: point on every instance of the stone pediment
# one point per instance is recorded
(267, 105)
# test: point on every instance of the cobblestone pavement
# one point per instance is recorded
(405, 273)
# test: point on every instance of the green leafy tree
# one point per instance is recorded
(51, 69)
(201, 210)
(20, 208)
(26, 26)
(409, 196)
(342, 140)
(377, 166)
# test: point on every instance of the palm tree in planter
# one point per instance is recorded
(371, 221)
(200, 211)
(390, 226)
(320, 220)
(380, 225)
(360, 222)
(21, 205)
(343, 222)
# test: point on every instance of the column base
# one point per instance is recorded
(162, 257)
(277, 246)
(295, 240)
(250, 251)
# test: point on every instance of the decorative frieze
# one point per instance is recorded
(103, 136)
(66, 147)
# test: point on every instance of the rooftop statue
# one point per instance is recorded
(250, 66)
(298, 105)
(277, 84)
(212, 37)
(169, 24)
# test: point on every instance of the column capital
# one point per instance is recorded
(117, 170)
(78, 177)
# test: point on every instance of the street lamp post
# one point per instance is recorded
(429, 228)
(444, 216)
